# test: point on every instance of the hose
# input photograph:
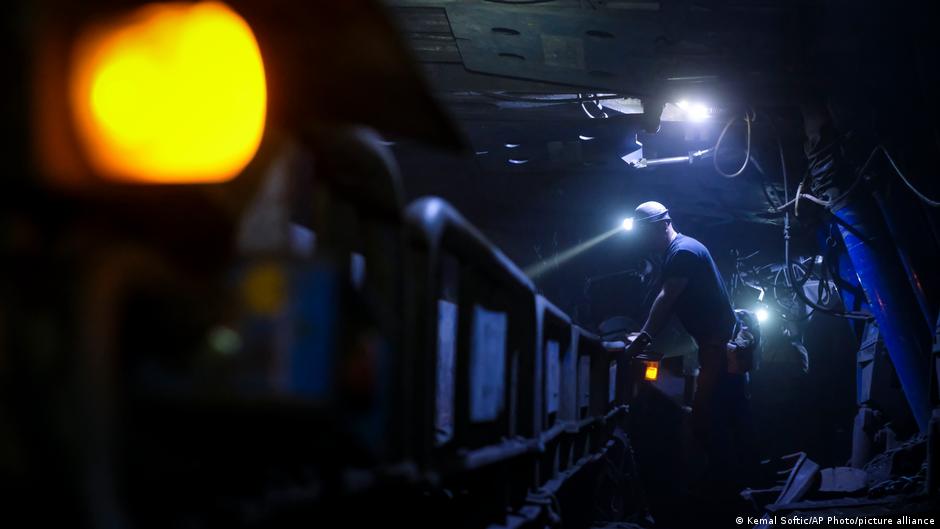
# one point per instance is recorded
(807, 196)
(927, 200)
(861, 173)
(826, 166)
(748, 119)
(786, 308)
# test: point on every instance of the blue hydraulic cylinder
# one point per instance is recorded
(890, 298)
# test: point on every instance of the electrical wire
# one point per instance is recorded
(807, 196)
(796, 200)
(787, 264)
(927, 200)
(796, 285)
(798, 290)
(748, 119)
(783, 169)
(765, 185)
(788, 307)
(861, 174)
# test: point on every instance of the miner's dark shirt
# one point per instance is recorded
(703, 307)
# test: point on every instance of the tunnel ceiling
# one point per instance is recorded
(495, 64)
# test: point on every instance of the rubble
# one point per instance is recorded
(842, 481)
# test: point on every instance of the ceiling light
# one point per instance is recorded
(697, 112)
(693, 111)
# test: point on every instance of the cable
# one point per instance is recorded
(811, 198)
(787, 307)
(800, 194)
(807, 196)
(927, 200)
(861, 173)
(748, 119)
(796, 200)
(786, 264)
(799, 290)
(765, 185)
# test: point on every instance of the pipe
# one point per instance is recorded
(890, 298)
(917, 258)
(689, 158)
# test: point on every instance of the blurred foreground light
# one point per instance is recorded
(651, 372)
(224, 340)
(627, 223)
(169, 93)
(762, 315)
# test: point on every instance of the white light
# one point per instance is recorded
(627, 223)
(582, 137)
(697, 112)
(762, 315)
(512, 145)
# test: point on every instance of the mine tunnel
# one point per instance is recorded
(471, 264)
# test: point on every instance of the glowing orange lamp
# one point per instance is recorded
(169, 93)
(652, 370)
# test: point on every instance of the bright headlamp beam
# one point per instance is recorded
(558, 259)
